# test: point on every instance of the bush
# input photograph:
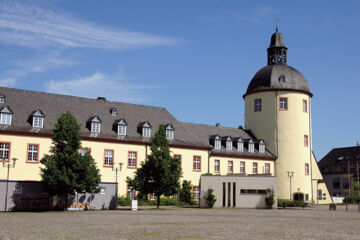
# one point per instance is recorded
(164, 201)
(210, 198)
(287, 203)
(351, 199)
(185, 192)
(269, 199)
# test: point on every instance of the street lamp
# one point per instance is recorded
(116, 169)
(290, 175)
(8, 165)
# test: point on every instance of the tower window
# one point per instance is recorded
(282, 79)
(306, 141)
(257, 105)
(304, 106)
(306, 169)
(283, 103)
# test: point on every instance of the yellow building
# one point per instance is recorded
(276, 141)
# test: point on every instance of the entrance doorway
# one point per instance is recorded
(298, 196)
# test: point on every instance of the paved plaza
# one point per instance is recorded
(184, 223)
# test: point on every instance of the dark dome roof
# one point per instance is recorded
(277, 40)
(278, 77)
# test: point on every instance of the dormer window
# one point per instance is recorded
(113, 112)
(146, 129)
(217, 143)
(38, 119)
(95, 124)
(251, 147)
(240, 145)
(261, 146)
(170, 131)
(6, 115)
(229, 143)
(2, 98)
(121, 130)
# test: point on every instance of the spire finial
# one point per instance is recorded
(277, 24)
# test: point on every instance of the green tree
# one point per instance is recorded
(65, 169)
(160, 173)
(185, 192)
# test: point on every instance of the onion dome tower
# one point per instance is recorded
(277, 109)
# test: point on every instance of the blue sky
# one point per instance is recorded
(195, 58)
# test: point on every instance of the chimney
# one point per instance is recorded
(217, 124)
(101, 99)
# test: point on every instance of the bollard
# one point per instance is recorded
(332, 207)
(346, 206)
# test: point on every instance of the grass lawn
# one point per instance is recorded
(184, 223)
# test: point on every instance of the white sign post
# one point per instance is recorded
(134, 205)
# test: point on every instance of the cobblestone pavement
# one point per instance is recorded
(184, 223)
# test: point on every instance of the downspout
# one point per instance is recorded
(310, 139)
(276, 131)
(209, 152)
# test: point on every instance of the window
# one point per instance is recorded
(146, 132)
(109, 157)
(5, 151)
(251, 147)
(255, 168)
(113, 112)
(178, 156)
(230, 167)
(95, 127)
(257, 105)
(217, 144)
(283, 103)
(33, 153)
(304, 106)
(122, 130)
(336, 183)
(242, 167)
(267, 168)
(2, 98)
(217, 166)
(228, 145)
(169, 134)
(197, 163)
(306, 141)
(196, 193)
(83, 151)
(261, 148)
(38, 122)
(132, 161)
(319, 196)
(240, 146)
(5, 118)
(306, 169)
(282, 79)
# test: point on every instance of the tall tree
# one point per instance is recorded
(65, 169)
(160, 173)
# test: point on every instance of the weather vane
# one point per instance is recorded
(277, 24)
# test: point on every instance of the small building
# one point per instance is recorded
(238, 190)
(339, 169)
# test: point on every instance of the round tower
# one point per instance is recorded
(277, 109)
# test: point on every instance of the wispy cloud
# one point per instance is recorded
(114, 86)
(31, 26)
(254, 15)
(8, 82)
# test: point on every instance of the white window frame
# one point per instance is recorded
(38, 122)
(5, 118)
(146, 132)
(2, 99)
(261, 148)
(109, 157)
(283, 103)
(240, 146)
(217, 165)
(217, 144)
(196, 193)
(132, 159)
(230, 166)
(229, 145)
(304, 106)
(307, 169)
(5, 150)
(169, 134)
(33, 153)
(251, 147)
(95, 127)
(197, 163)
(122, 130)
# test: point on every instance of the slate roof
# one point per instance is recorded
(24, 103)
(341, 156)
(267, 78)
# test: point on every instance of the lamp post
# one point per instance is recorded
(8, 165)
(290, 176)
(116, 169)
